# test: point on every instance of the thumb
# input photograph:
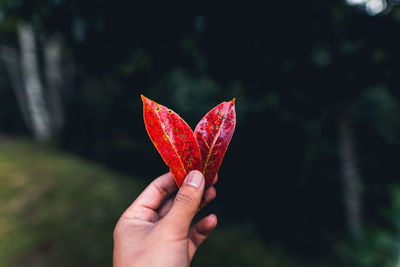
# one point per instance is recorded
(187, 203)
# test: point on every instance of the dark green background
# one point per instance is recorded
(295, 67)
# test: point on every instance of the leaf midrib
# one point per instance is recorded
(213, 144)
(173, 146)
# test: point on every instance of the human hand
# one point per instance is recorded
(155, 230)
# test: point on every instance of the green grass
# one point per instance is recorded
(57, 209)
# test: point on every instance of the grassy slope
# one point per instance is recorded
(59, 210)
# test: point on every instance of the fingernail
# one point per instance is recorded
(194, 178)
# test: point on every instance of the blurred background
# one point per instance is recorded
(310, 177)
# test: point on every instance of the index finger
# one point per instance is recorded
(157, 191)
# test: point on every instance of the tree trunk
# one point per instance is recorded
(32, 84)
(12, 62)
(54, 78)
(350, 176)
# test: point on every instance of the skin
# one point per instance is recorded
(156, 229)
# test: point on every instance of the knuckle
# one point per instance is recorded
(186, 199)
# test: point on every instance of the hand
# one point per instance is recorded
(155, 230)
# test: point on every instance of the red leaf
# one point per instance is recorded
(173, 139)
(213, 134)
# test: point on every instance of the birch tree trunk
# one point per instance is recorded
(350, 177)
(32, 83)
(54, 79)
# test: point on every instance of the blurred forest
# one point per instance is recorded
(312, 166)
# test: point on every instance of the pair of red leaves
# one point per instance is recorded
(184, 150)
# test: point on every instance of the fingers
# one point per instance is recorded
(209, 195)
(215, 179)
(166, 207)
(200, 231)
(186, 204)
(145, 206)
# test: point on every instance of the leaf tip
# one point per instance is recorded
(233, 100)
(143, 97)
